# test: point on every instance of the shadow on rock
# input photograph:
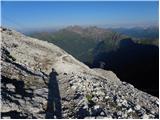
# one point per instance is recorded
(19, 87)
(54, 98)
(134, 63)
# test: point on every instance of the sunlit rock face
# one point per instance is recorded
(40, 80)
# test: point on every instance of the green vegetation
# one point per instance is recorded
(91, 103)
(89, 97)
(148, 42)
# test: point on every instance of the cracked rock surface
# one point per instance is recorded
(40, 80)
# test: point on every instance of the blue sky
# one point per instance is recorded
(43, 15)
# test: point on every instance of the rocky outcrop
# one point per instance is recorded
(40, 80)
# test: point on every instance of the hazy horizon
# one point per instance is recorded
(32, 16)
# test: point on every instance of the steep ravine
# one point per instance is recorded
(40, 80)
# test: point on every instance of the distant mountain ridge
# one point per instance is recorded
(81, 41)
(140, 32)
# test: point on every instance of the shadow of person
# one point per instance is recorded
(54, 99)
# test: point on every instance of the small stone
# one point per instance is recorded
(157, 102)
(124, 83)
(123, 108)
(137, 107)
(29, 91)
(100, 98)
(11, 87)
(119, 104)
(124, 115)
(130, 86)
(117, 100)
(27, 98)
(85, 106)
(130, 110)
(21, 101)
(33, 87)
(141, 112)
(145, 116)
(41, 91)
(151, 116)
(107, 97)
(65, 115)
(74, 87)
(102, 113)
(100, 93)
(96, 107)
(39, 99)
(152, 112)
(119, 113)
(124, 103)
(18, 96)
(95, 99)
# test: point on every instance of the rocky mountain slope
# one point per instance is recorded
(40, 80)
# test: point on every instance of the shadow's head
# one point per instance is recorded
(54, 71)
